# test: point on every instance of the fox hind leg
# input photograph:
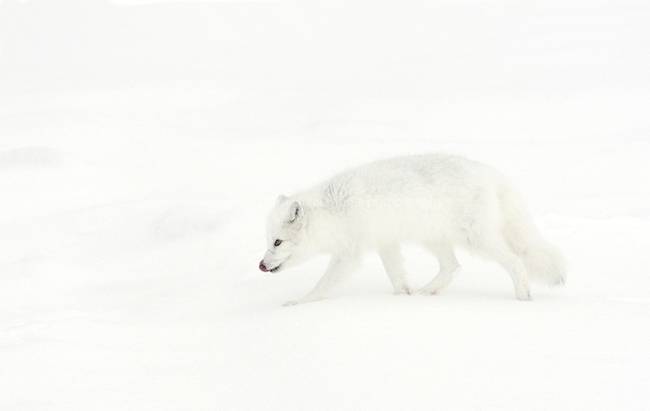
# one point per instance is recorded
(499, 251)
(391, 258)
(448, 268)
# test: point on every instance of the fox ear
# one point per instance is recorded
(295, 212)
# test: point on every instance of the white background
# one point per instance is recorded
(142, 143)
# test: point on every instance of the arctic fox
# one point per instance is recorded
(439, 201)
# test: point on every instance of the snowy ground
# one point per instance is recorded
(138, 161)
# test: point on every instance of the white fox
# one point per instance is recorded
(438, 201)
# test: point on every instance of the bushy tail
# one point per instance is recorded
(544, 262)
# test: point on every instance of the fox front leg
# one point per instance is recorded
(338, 267)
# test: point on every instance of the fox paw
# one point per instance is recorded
(427, 291)
(403, 291)
(290, 303)
(301, 301)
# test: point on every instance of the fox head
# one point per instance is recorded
(285, 235)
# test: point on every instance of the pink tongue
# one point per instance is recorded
(263, 267)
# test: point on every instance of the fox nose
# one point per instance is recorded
(263, 267)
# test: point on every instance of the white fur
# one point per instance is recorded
(439, 201)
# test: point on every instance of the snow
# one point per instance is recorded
(142, 143)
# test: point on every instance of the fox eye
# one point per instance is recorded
(277, 242)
